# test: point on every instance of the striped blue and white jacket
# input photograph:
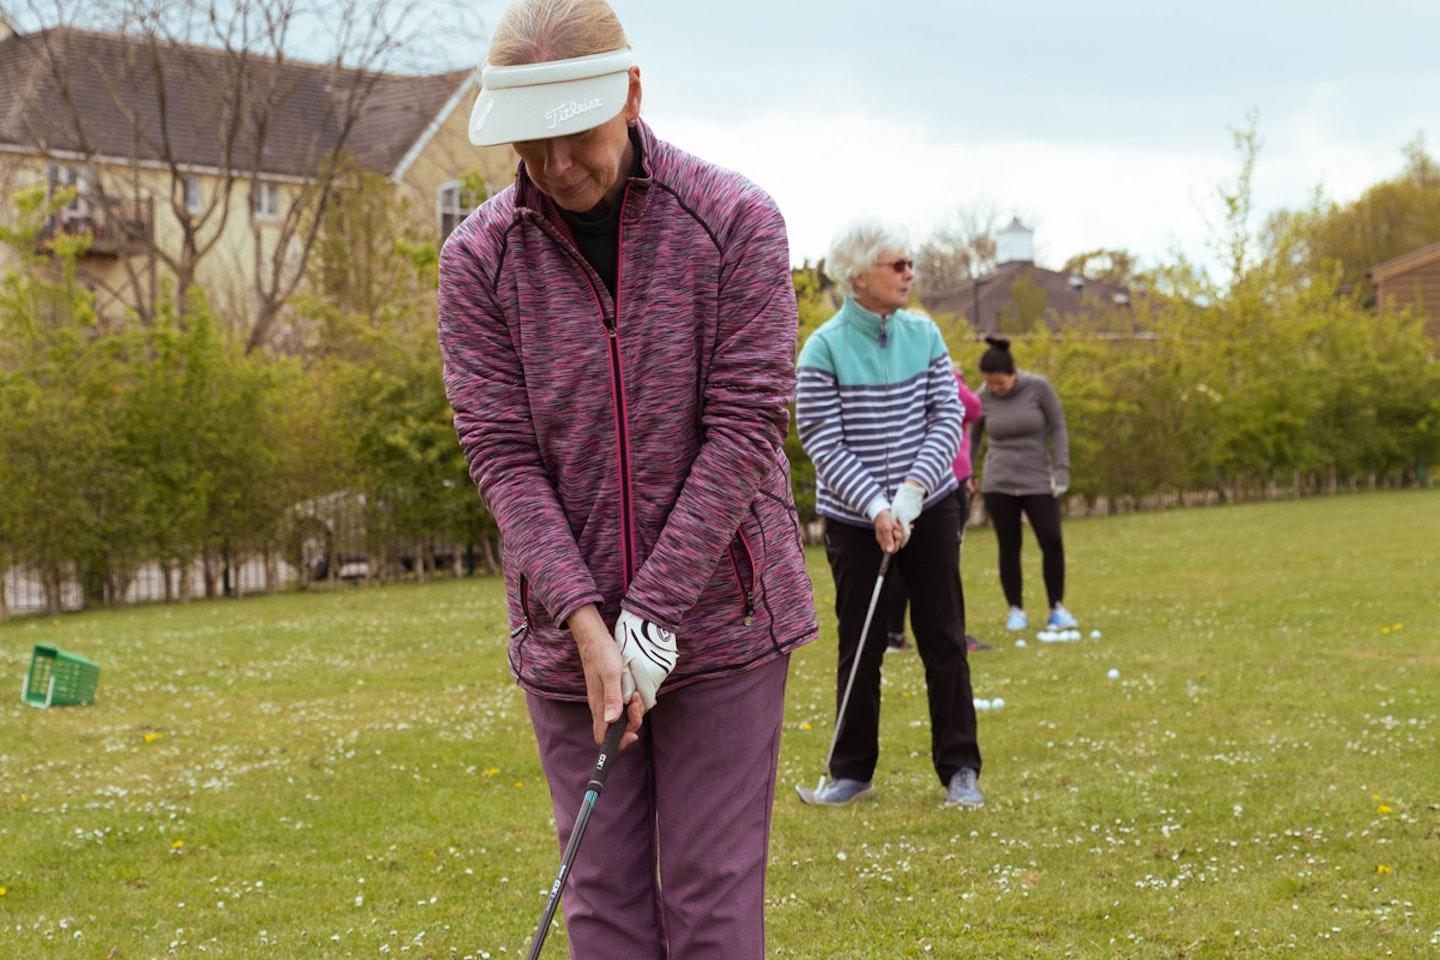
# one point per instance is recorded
(876, 403)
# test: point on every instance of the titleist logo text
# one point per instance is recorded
(572, 109)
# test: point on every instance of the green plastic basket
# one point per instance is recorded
(58, 679)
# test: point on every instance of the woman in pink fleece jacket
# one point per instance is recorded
(896, 597)
(618, 330)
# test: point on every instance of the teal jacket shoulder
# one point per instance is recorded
(861, 348)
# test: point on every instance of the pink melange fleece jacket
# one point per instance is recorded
(630, 447)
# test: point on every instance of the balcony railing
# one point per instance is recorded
(115, 229)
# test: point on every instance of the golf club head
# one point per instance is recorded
(807, 795)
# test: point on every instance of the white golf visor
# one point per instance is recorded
(532, 101)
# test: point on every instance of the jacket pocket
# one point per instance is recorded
(522, 626)
(742, 567)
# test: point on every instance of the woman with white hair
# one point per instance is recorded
(879, 415)
(618, 330)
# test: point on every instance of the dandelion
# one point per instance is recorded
(152, 737)
(1398, 627)
(519, 783)
(1383, 869)
(1383, 808)
(492, 771)
(3, 891)
(177, 847)
(1384, 629)
(805, 725)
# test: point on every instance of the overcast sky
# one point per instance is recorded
(1105, 124)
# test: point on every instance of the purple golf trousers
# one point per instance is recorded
(673, 862)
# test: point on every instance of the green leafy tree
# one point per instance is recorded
(56, 466)
(1388, 220)
(1026, 310)
(817, 300)
(197, 427)
(1118, 267)
(370, 301)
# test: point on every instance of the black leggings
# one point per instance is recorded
(1044, 513)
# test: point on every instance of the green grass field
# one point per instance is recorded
(353, 775)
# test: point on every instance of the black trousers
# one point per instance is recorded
(1044, 513)
(930, 564)
(897, 597)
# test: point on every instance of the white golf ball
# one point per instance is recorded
(1094, 634)
(1072, 635)
(1113, 674)
(1020, 642)
(982, 704)
(997, 703)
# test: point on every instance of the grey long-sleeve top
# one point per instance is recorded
(1029, 446)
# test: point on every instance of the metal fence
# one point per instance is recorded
(24, 592)
(328, 564)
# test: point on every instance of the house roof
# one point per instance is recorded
(105, 95)
(1404, 262)
(1066, 295)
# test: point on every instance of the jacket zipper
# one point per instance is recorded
(747, 594)
(524, 607)
(622, 440)
(885, 364)
(627, 518)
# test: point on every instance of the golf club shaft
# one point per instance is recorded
(855, 664)
(608, 749)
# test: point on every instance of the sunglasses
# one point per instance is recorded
(899, 266)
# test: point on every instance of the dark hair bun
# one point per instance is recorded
(999, 343)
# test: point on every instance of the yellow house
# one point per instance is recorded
(206, 166)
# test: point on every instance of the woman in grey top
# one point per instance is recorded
(1027, 469)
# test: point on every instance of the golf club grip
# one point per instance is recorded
(608, 749)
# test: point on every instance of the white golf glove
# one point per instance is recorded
(648, 650)
(906, 507)
(1059, 486)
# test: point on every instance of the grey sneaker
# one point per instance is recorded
(839, 792)
(963, 791)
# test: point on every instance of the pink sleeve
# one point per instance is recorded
(968, 398)
(962, 466)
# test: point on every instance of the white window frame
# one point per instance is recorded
(59, 177)
(265, 201)
(194, 199)
(451, 207)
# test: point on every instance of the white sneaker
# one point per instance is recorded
(1061, 619)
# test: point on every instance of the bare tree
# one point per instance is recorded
(963, 249)
(151, 98)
